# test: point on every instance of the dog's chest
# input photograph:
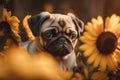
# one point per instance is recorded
(69, 61)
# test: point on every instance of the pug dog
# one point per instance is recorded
(56, 34)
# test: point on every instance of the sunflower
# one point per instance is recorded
(98, 75)
(70, 75)
(12, 22)
(101, 42)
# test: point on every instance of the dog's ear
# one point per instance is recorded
(78, 23)
(36, 21)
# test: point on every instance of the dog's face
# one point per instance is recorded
(57, 33)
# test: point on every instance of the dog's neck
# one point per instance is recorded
(68, 61)
(31, 47)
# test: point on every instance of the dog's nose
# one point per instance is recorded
(62, 40)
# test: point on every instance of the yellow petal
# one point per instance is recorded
(78, 76)
(117, 56)
(99, 76)
(25, 20)
(103, 63)
(103, 76)
(8, 14)
(91, 58)
(117, 34)
(107, 23)
(96, 25)
(14, 19)
(95, 75)
(116, 29)
(97, 60)
(86, 72)
(100, 28)
(90, 37)
(89, 51)
(110, 62)
(100, 24)
(14, 25)
(86, 40)
(91, 30)
(85, 47)
(94, 21)
(118, 41)
(97, 28)
(100, 20)
(114, 62)
(27, 28)
(4, 12)
(114, 20)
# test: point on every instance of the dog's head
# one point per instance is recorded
(57, 33)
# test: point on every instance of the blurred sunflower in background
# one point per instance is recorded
(98, 75)
(11, 22)
(101, 42)
(9, 30)
(27, 29)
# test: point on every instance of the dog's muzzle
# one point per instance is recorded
(60, 47)
(62, 41)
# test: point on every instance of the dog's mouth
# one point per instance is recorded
(58, 49)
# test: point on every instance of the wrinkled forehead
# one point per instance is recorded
(60, 20)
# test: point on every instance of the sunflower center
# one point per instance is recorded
(106, 42)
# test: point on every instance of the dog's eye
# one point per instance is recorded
(50, 33)
(54, 32)
(47, 34)
(72, 35)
